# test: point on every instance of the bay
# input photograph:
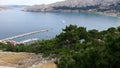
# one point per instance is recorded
(14, 22)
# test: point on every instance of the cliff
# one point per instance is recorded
(111, 7)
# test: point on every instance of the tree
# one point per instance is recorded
(118, 28)
(68, 36)
(82, 32)
(66, 62)
(94, 34)
(112, 30)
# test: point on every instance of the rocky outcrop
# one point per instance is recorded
(101, 6)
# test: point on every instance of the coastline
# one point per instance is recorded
(108, 13)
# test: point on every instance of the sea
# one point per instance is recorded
(15, 22)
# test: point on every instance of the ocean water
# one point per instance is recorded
(14, 22)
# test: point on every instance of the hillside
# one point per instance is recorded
(111, 7)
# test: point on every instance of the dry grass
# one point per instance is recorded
(11, 58)
(23, 60)
(46, 65)
(49, 65)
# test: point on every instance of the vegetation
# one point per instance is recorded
(77, 47)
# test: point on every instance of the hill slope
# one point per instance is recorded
(105, 6)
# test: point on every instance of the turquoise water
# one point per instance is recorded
(14, 22)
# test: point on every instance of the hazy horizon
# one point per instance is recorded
(26, 2)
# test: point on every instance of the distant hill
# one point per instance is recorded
(111, 7)
(7, 7)
(16, 6)
(3, 8)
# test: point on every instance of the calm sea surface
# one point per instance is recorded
(14, 22)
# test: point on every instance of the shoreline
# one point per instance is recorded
(112, 14)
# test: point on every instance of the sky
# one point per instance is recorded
(26, 2)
